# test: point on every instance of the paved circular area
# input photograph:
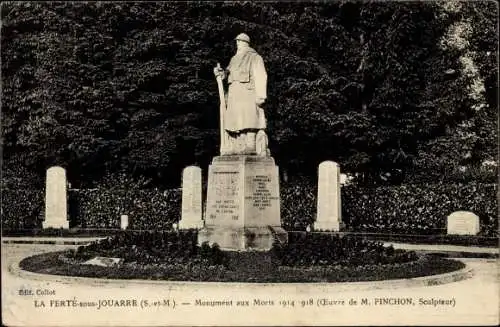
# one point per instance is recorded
(470, 301)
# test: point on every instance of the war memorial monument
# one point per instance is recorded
(108, 106)
(243, 204)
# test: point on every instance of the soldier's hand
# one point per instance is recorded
(218, 72)
(260, 101)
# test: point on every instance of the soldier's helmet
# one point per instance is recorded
(243, 37)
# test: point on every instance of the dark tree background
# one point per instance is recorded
(110, 88)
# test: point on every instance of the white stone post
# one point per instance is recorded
(56, 208)
(191, 215)
(329, 210)
(124, 222)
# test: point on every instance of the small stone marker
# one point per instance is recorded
(123, 222)
(346, 179)
(191, 215)
(329, 214)
(343, 179)
(463, 223)
(56, 211)
(103, 262)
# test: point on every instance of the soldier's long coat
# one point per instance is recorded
(247, 82)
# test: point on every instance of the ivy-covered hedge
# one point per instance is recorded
(95, 208)
(418, 209)
(147, 209)
(405, 209)
(22, 209)
(298, 204)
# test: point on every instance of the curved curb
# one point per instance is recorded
(51, 240)
(46, 242)
(433, 280)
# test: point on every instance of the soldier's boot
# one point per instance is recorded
(230, 145)
(250, 143)
(261, 144)
(238, 144)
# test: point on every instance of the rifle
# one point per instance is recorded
(223, 135)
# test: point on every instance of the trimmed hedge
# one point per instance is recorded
(147, 209)
(298, 204)
(406, 209)
(22, 209)
(95, 208)
(418, 209)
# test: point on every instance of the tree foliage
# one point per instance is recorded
(101, 88)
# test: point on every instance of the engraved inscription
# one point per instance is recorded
(226, 191)
(261, 196)
(462, 225)
(226, 183)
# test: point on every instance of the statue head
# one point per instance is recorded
(242, 41)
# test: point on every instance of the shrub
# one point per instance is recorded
(406, 209)
(418, 209)
(306, 249)
(146, 247)
(147, 209)
(22, 208)
(302, 249)
(298, 204)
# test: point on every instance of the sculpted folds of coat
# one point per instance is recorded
(247, 79)
(242, 115)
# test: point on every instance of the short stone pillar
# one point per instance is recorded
(463, 223)
(124, 222)
(329, 210)
(191, 212)
(56, 208)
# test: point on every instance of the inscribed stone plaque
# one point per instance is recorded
(56, 215)
(463, 223)
(191, 215)
(224, 195)
(262, 206)
(329, 201)
(103, 261)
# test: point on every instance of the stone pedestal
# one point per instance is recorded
(191, 199)
(56, 213)
(329, 213)
(243, 204)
